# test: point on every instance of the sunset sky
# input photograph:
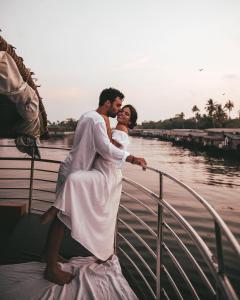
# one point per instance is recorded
(151, 50)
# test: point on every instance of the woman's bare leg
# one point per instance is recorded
(49, 215)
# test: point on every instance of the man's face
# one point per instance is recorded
(115, 107)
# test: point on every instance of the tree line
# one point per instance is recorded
(216, 116)
(69, 124)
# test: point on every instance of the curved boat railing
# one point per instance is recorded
(142, 244)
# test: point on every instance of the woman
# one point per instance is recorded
(92, 219)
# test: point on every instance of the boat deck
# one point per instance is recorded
(26, 242)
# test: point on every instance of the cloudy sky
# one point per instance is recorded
(152, 50)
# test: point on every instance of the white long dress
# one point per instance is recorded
(89, 201)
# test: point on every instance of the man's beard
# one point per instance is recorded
(111, 114)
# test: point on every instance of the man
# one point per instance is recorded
(90, 139)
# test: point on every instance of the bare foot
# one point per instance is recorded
(57, 275)
(49, 215)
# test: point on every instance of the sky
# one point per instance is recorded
(151, 50)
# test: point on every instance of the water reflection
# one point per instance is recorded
(192, 166)
(67, 141)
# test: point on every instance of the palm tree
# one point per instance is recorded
(219, 115)
(181, 117)
(210, 108)
(229, 106)
(198, 116)
(196, 110)
(70, 124)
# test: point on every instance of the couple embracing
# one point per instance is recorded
(89, 184)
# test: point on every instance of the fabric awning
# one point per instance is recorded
(22, 113)
(21, 107)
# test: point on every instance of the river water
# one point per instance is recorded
(215, 178)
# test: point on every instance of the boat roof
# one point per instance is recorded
(223, 130)
(233, 136)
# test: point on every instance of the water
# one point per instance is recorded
(216, 179)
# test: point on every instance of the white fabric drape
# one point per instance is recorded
(92, 282)
(17, 90)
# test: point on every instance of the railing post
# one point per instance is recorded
(31, 180)
(159, 240)
(219, 251)
(115, 236)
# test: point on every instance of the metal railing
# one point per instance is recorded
(146, 252)
(221, 287)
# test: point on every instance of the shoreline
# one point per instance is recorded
(215, 141)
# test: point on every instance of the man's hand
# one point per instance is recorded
(137, 161)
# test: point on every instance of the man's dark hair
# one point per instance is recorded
(109, 94)
(134, 116)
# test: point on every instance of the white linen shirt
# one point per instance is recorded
(90, 139)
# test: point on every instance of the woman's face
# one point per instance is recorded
(124, 116)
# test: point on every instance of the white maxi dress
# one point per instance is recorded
(88, 202)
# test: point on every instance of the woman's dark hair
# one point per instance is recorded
(134, 116)
(109, 94)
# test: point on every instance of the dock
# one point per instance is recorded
(213, 138)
